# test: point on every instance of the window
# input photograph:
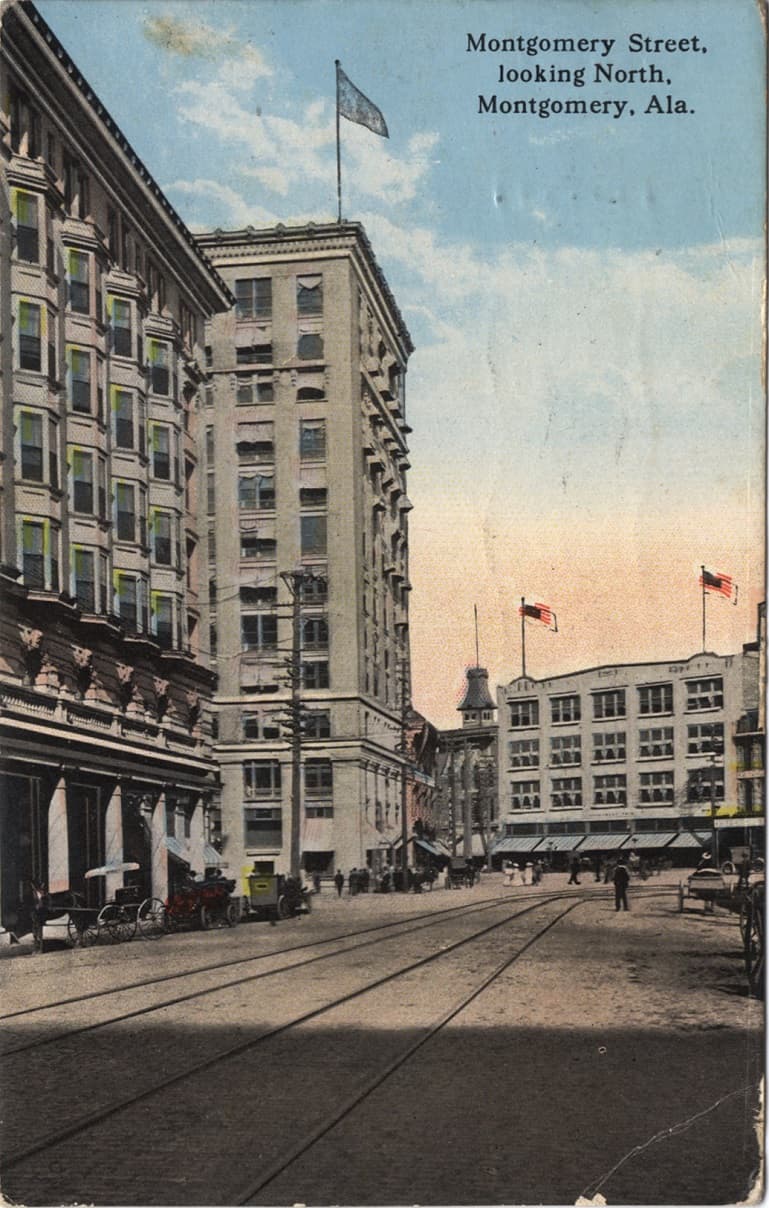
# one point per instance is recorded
(566, 750)
(259, 631)
(25, 125)
(610, 790)
(256, 492)
(252, 546)
(263, 827)
(261, 778)
(312, 440)
(162, 616)
(160, 366)
(705, 694)
(161, 527)
(260, 726)
(253, 298)
(309, 295)
(315, 675)
(122, 344)
(314, 586)
(565, 708)
(609, 704)
(309, 346)
(318, 778)
(524, 713)
(84, 583)
(656, 788)
(315, 633)
(123, 418)
(524, 753)
(609, 747)
(78, 282)
(319, 811)
(313, 530)
(30, 355)
(656, 744)
(705, 786)
(306, 394)
(33, 553)
(31, 438)
(251, 389)
(82, 482)
(132, 603)
(253, 354)
(79, 379)
(655, 698)
(53, 453)
(27, 237)
(705, 739)
(160, 441)
(524, 795)
(313, 497)
(567, 793)
(255, 442)
(125, 500)
(317, 723)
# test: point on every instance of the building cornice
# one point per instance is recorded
(60, 85)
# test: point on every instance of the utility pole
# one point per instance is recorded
(467, 842)
(293, 581)
(453, 800)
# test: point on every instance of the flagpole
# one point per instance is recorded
(523, 637)
(703, 610)
(338, 151)
(477, 655)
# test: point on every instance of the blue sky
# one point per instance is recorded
(583, 291)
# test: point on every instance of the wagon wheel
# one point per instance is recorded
(207, 917)
(745, 913)
(82, 930)
(754, 945)
(116, 923)
(232, 914)
(681, 896)
(151, 919)
(285, 910)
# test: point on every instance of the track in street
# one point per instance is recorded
(95, 1119)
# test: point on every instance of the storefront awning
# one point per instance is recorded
(428, 847)
(316, 834)
(519, 843)
(608, 841)
(689, 839)
(212, 857)
(647, 839)
(176, 848)
(561, 842)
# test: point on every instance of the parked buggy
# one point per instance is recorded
(205, 904)
(273, 896)
(460, 873)
(118, 920)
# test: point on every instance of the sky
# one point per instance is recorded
(583, 289)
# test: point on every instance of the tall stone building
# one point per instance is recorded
(306, 461)
(467, 773)
(103, 676)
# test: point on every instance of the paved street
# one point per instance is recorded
(616, 1053)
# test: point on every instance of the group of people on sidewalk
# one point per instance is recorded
(530, 874)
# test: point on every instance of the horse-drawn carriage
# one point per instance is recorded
(273, 896)
(460, 873)
(742, 893)
(125, 913)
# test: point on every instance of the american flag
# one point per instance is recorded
(539, 612)
(716, 581)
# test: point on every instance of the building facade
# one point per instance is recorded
(307, 608)
(638, 755)
(104, 681)
(467, 773)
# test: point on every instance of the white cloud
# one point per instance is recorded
(240, 63)
(234, 209)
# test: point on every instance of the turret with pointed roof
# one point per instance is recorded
(477, 706)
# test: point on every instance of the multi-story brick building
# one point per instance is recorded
(103, 677)
(307, 459)
(638, 755)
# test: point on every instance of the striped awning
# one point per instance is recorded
(317, 834)
(177, 848)
(648, 839)
(691, 839)
(561, 842)
(428, 847)
(519, 843)
(211, 856)
(608, 841)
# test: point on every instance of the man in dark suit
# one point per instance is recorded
(621, 882)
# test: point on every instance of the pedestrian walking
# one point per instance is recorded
(598, 863)
(507, 869)
(514, 874)
(528, 874)
(316, 882)
(621, 882)
(539, 869)
(339, 882)
(574, 870)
